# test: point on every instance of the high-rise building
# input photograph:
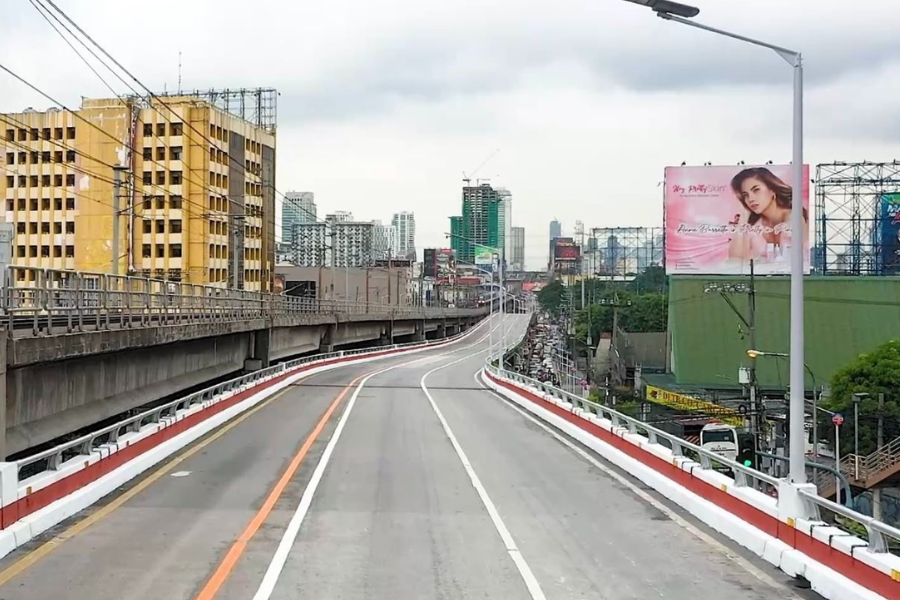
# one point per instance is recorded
(309, 244)
(517, 251)
(480, 222)
(403, 234)
(196, 202)
(339, 216)
(298, 207)
(381, 240)
(504, 216)
(456, 228)
(351, 242)
(555, 232)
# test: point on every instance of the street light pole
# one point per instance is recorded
(671, 11)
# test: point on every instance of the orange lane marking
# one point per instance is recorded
(225, 568)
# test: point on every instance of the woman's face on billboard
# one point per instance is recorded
(756, 195)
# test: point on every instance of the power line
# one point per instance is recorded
(159, 100)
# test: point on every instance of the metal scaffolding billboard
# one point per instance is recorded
(855, 217)
(623, 251)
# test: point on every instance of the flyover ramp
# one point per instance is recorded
(392, 513)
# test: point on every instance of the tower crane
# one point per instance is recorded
(468, 178)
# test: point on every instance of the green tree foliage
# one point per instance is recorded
(873, 373)
(552, 297)
(652, 281)
(647, 312)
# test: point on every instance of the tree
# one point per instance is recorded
(648, 312)
(652, 280)
(873, 373)
(552, 297)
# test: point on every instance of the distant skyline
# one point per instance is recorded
(587, 102)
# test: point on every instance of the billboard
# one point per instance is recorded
(565, 250)
(718, 219)
(445, 263)
(429, 262)
(484, 255)
(889, 234)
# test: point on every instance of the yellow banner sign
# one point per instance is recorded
(691, 404)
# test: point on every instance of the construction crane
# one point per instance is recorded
(468, 178)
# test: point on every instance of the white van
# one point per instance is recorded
(720, 438)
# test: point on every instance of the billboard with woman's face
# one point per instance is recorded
(718, 219)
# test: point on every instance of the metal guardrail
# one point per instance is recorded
(876, 534)
(52, 458)
(48, 301)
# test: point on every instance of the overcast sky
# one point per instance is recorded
(384, 104)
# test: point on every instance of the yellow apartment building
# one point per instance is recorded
(198, 182)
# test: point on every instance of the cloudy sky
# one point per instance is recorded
(384, 104)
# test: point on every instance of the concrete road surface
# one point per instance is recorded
(409, 495)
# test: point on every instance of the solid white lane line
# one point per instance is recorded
(674, 516)
(531, 582)
(276, 565)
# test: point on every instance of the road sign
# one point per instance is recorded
(838, 419)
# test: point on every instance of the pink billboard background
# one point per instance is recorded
(709, 230)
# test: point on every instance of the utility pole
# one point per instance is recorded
(876, 493)
(757, 427)
(118, 172)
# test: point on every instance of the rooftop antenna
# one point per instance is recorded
(179, 71)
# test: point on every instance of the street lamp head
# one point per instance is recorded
(754, 353)
(667, 8)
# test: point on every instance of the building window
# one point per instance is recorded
(33, 205)
(160, 202)
(175, 153)
(175, 226)
(46, 133)
(160, 178)
(70, 156)
(45, 181)
(45, 203)
(57, 251)
(145, 251)
(175, 202)
(58, 156)
(21, 203)
(23, 135)
(10, 181)
(11, 135)
(10, 158)
(148, 129)
(35, 157)
(175, 178)
(148, 202)
(33, 180)
(148, 178)
(160, 250)
(160, 129)
(10, 205)
(20, 228)
(58, 133)
(45, 156)
(70, 203)
(57, 204)
(70, 179)
(148, 226)
(70, 133)
(148, 153)
(57, 180)
(32, 251)
(45, 227)
(161, 153)
(20, 251)
(70, 226)
(70, 251)
(177, 129)
(175, 250)
(160, 226)
(57, 227)
(35, 134)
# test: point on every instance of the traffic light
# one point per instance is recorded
(746, 454)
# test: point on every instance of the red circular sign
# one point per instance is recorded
(837, 419)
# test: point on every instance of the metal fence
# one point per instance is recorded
(47, 301)
(879, 536)
(53, 458)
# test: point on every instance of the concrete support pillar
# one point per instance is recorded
(442, 329)
(386, 338)
(419, 335)
(259, 350)
(327, 343)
